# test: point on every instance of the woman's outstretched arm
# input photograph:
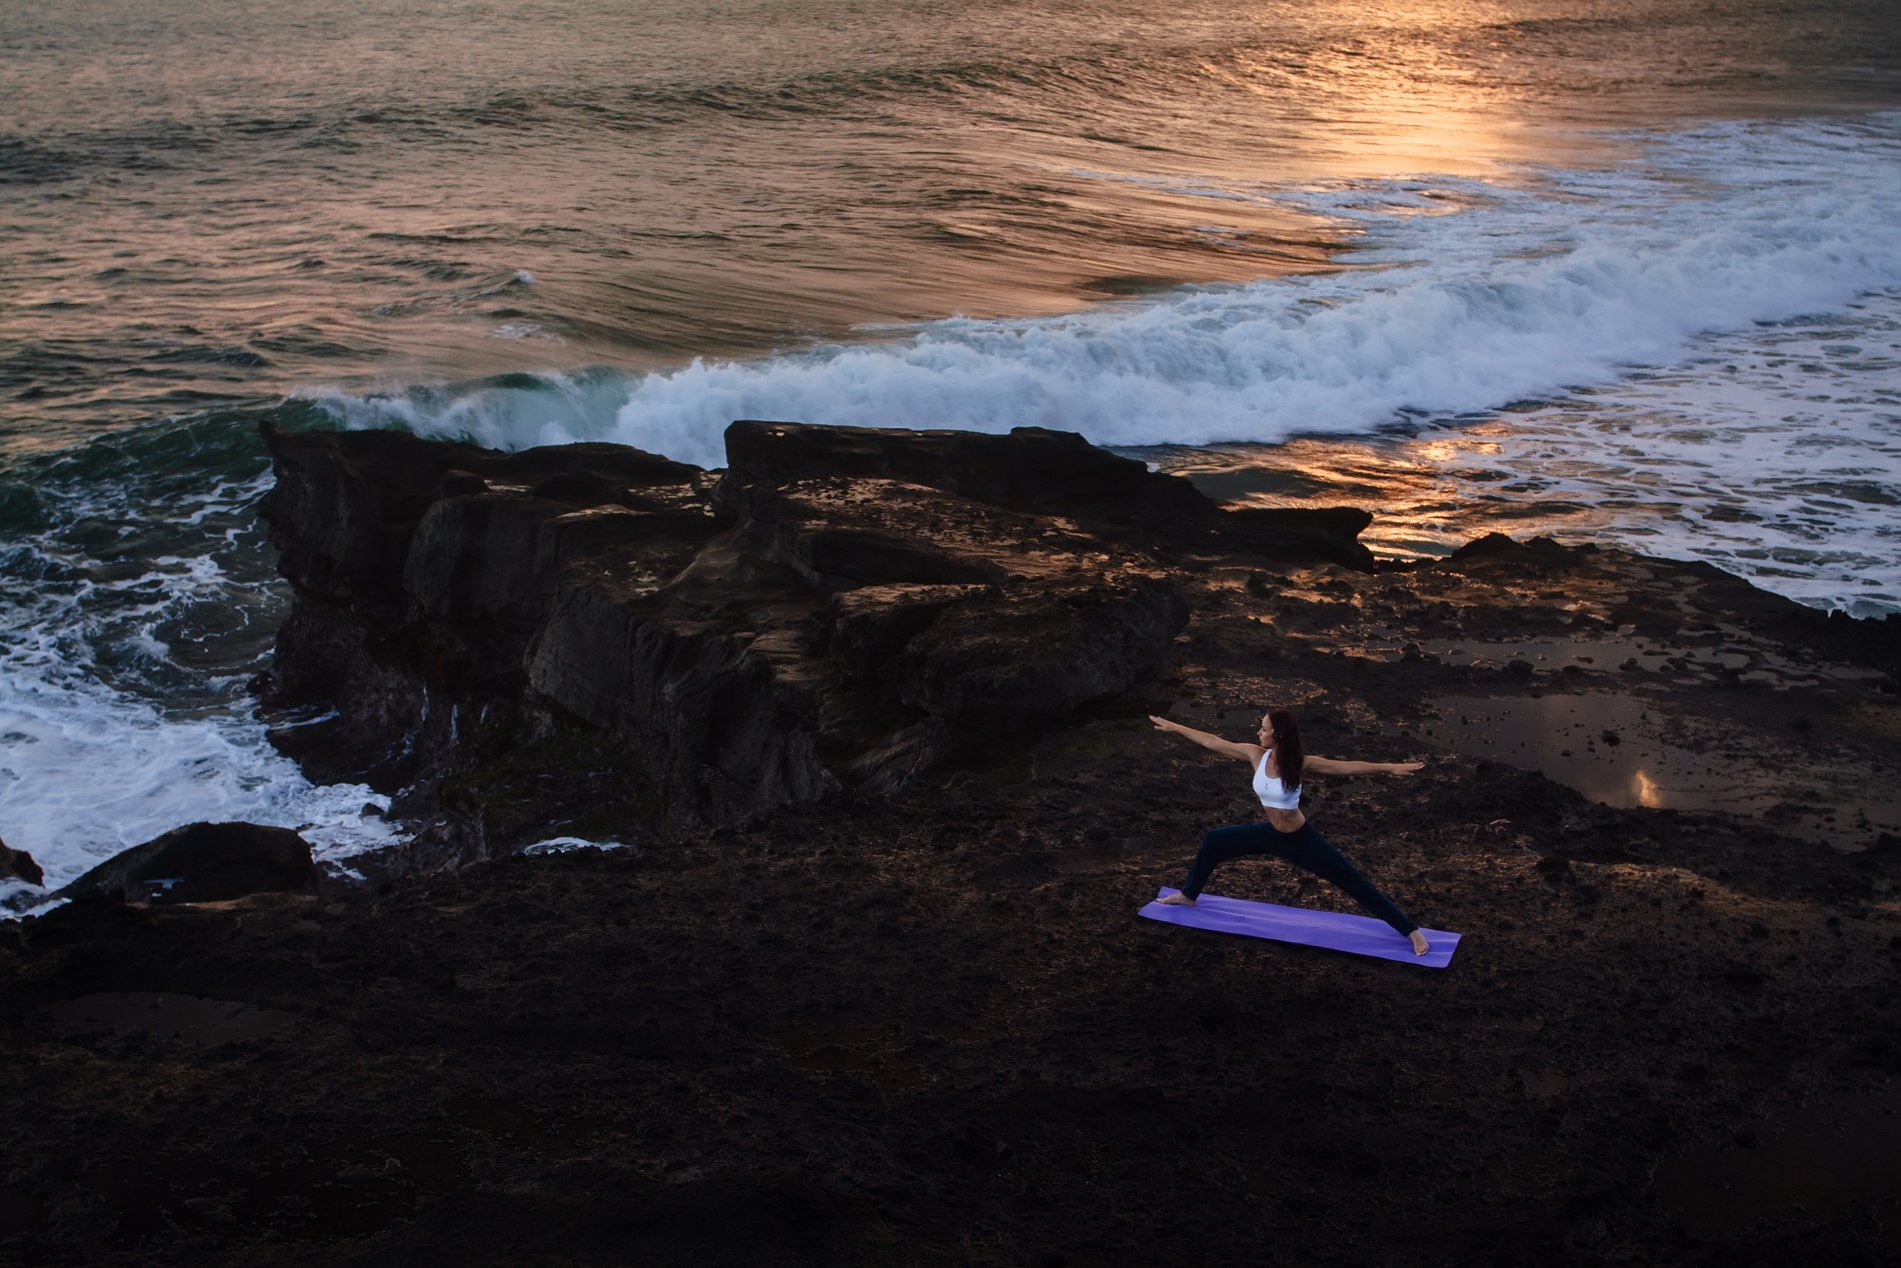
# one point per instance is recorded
(1330, 766)
(1249, 753)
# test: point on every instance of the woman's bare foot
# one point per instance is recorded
(1420, 945)
(1176, 900)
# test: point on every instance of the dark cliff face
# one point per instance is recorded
(593, 638)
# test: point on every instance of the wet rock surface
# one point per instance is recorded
(910, 1016)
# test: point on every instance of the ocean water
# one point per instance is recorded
(1624, 271)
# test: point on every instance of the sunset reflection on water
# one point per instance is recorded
(1646, 791)
(1430, 494)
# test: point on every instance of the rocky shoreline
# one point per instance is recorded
(839, 610)
(864, 714)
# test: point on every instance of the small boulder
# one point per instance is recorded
(204, 862)
(20, 864)
(1329, 534)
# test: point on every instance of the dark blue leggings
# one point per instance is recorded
(1303, 848)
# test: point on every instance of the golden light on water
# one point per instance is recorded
(1432, 100)
(1433, 492)
(1646, 791)
(1453, 449)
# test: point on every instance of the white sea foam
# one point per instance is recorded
(567, 845)
(112, 729)
(558, 409)
(88, 771)
(520, 330)
(1774, 454)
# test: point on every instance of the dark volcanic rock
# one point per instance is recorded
(842, 609)
(717, 732)
(203, 862)
(1677, 595)
(1532, 553)
(1031, 469)
(422, 570)
(347, 504)
(1047, 473)
(989, 662)
(19, 863)
(1300, 535)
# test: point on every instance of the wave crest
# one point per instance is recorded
(1514, 293)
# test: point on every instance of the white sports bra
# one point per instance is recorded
(1270, 790)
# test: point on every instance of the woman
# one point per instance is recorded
(1285, 833)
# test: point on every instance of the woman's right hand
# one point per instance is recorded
(1163, 724)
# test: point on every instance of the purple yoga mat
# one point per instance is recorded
(1336, 931)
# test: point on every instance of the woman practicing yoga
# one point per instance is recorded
(1285, 833)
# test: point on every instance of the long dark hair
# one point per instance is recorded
(1287, 754)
